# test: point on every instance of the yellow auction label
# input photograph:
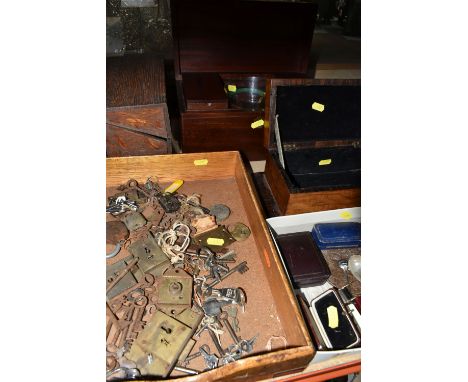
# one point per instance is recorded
(200, 162)
(346, 215)
(174, 186)
(232, 88)
(214, 241)
(318, 107)
(332, 313)
(258, 123)
(325, 162)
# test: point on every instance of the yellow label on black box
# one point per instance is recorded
(318, 107)
(232, 88)
(325, 162)
(332, 313)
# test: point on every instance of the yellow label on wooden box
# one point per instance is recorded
(200, 162)
(258, 123)
(325, 162)
(214, 241)
(318, 107)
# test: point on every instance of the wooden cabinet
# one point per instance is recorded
(217, 42)
(137, 120)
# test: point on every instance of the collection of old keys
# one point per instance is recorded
(163, 295)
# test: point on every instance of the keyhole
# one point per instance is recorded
(167, 330)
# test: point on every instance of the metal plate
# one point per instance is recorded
(158, 347)
(218, 233)
(239, 231)
(134, 220)
(129, 280)
(175, 288)
(151, 258)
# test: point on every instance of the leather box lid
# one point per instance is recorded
(235, 36)
(300, 125)
(304, 260)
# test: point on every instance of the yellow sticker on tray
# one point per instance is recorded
(232, 88)
(318, 107)
(325, 162)
(200, 162)
(332, 313)
(346, 215)
(258, 123)
(174, 186)
(214, 241)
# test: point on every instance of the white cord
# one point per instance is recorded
(167, 241)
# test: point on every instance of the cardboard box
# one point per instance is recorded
(343, 360)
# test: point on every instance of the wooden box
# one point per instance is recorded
(271, 308)
(320, 149)
(221, 40)
(137, 121)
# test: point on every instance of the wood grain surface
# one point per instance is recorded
(138, 130)
(242, 36)
(223, 130)
(135, 80)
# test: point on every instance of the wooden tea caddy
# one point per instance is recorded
(218, 41)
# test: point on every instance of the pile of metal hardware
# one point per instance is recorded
(163, 295)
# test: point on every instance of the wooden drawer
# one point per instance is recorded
(271, 308)
(222, 131)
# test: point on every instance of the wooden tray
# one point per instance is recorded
(266, 283)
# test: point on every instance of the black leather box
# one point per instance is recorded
(304, 260)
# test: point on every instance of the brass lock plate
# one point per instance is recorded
(134, 220)
(174, 291)
(158, 347)
(151, 257)
(129, 280)
(215, 239)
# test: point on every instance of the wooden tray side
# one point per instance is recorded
(279, 282)
(168, 168)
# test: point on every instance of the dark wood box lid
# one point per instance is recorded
(133, 80)
(302, 125)
(221, 36)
